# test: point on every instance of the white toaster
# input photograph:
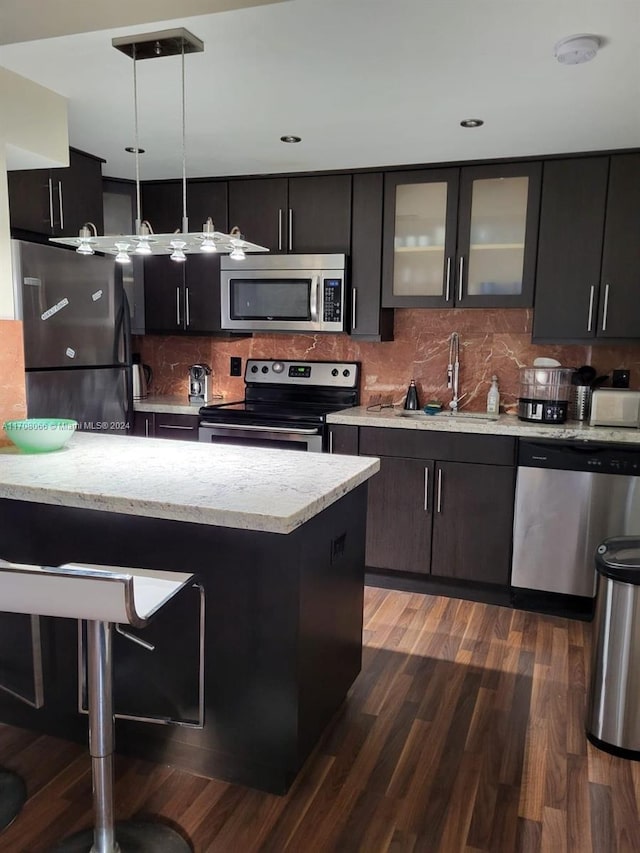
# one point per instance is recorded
(617, 407)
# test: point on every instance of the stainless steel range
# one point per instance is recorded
(285, 404)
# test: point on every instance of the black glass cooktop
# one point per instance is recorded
(252, 412)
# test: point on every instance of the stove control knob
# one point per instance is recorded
(346, 373)
(254, 368)
(265, 369)
(277, 367)
(334, 372)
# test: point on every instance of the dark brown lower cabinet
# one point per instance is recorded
(143, 424)
(166, 425)
(472, 522)
(399, 514)
(343, 439)
(447, 516)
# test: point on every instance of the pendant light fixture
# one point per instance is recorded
(145, 242)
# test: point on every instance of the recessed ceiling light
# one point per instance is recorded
(290, 138)
(573, 50)
(131, 150)
(472, 122)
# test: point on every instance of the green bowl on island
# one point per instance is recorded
(40, 435)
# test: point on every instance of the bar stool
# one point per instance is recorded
(13, 794)
(104, 596)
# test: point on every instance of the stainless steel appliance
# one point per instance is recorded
(570, 495)
(283, 293)
(141, 375)
(285, 404)
(77, 341)
(544, 394)
(617, 407)
(199, 383)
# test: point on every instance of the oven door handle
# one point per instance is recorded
(253, 428)
(315, 289)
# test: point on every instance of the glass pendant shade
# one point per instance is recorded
(122, 253)
(144, 242)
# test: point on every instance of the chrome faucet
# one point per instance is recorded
(453, 371)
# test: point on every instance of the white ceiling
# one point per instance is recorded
(363, 82)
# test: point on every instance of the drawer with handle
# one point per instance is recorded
(181, 427)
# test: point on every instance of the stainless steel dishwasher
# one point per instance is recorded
(570, 495)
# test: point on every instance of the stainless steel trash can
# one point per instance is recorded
(613, 714)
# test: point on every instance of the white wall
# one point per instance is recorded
(33, 121)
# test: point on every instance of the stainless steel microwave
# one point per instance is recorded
(283, 293)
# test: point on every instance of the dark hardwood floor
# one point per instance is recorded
(464, 732)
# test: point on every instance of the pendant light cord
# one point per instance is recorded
(136, 141)
(185, 221)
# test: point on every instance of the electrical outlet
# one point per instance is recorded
(235, 367)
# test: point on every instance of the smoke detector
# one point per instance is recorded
(573, 50)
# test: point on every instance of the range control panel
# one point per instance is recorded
(327, 374)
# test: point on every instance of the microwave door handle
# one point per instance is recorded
(315, 287)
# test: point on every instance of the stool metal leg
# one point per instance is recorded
(13, 794)
(100, 673)
(137, 837)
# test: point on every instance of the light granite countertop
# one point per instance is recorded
(504, 425)
(176, 404)
(268, 490)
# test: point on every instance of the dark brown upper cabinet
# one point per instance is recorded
(57, 202)
(309, 214)
(183, 298)
(461, 237)
(588, 273)
(368, 320)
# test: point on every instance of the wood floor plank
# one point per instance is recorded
(529, 836)
(554, 831)
(464, 732)
(626, 817)
(601, 814)
(578, 815)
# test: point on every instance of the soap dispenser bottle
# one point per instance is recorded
(493, 397)
(411, 400)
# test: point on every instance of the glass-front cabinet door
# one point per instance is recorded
(419, 237)
(497, 234)
(461, 237)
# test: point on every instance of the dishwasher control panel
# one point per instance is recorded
(580, 456)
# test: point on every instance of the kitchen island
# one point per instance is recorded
(276, 539)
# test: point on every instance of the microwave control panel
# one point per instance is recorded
(332, 300)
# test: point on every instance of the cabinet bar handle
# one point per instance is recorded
(175, 426)
(50, 202)
(354, 291)
(280, 230)
(439, 504)
(605, 310)
(448, 286)
(146, 427)
(461, 271)
(290, 229)
(186, 302)
(591, 296)
(330, 441)
(177, 306)
(426, 490)
(61, 205)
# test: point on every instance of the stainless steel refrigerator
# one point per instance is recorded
(77, 338)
